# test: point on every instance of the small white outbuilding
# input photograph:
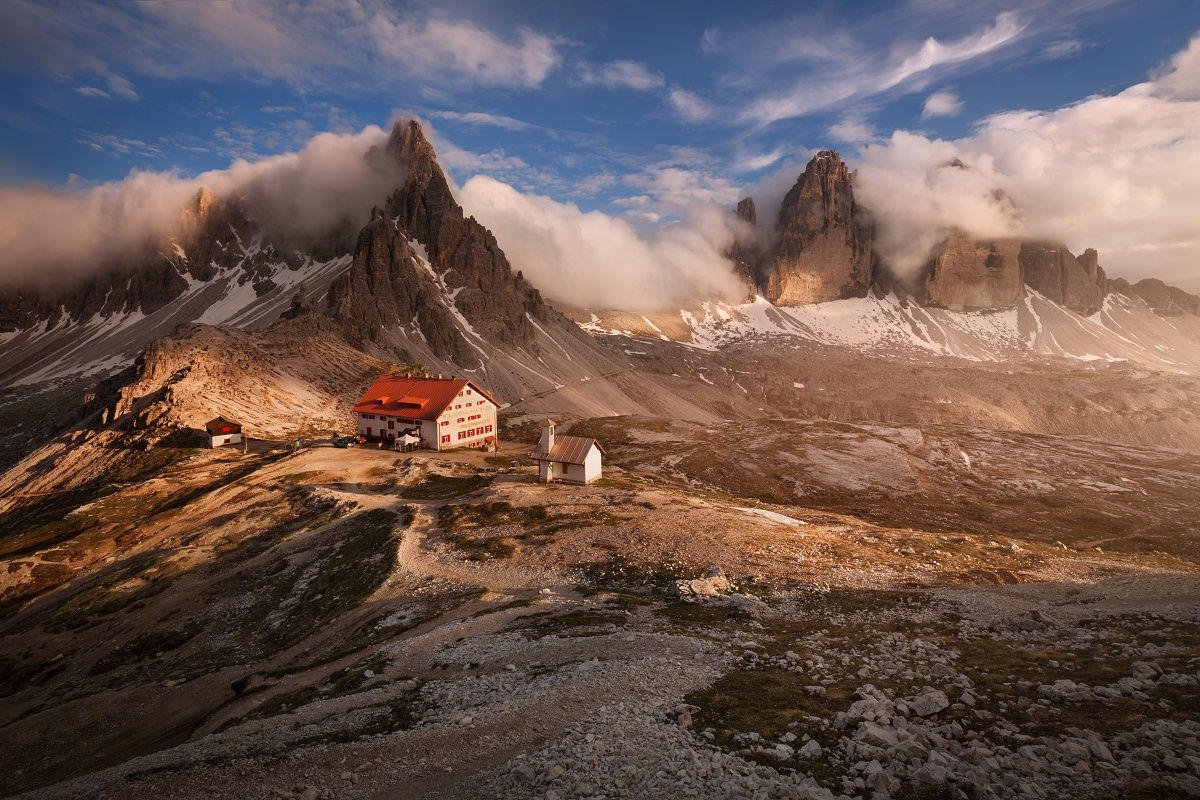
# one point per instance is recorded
(574, 459)
(222, 431)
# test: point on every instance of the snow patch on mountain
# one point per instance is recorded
(1125, 329)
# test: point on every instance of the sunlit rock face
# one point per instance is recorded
(1050, 269)
(971, 275)
(823, 239)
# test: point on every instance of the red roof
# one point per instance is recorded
(413, 398)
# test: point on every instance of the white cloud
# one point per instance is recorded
(688, 105)
(121, 87)
(852, 130)
(594, 260)
(327, 43)
(753, 162)
(1117, 173)
(461, 49)
(92, 91)
(672, 191)
(480, 118)
(941, 104)
(623, 74)
(870, 76)
(1063, 48)
(55, 233)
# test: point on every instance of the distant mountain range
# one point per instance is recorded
(422, 282)
(820, 248)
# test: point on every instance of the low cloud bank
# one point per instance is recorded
(594, 260)
(56, 234)
(1118, 173)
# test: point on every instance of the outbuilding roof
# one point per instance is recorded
(567, 450)
(221, 425)
(414, 398)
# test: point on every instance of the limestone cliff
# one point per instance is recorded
(746, 251)
(493, 297)
(1050, 269)
(822, 248)
(973, 275)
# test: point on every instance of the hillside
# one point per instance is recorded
(353, 624)
(865, 538)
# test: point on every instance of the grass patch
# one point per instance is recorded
(148, 645)
(577, 623)
(521, 602)
(627, 601)
(117, 589)
(300, 477)
(47, 521)
(194, 493)
(493, 514)
(498, 461)
(16, 676)
(339, 577)
(621, 573)
(281, 703)
(772, 702)
(444, 487)
(482, 548)
(460, 524)
(702, 614)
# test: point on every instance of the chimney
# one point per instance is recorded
(547, 443)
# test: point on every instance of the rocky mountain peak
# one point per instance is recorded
(496, 300)
(823, 239)
(746, 212)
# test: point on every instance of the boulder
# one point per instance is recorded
(712, 584)
(876, 735)
(928, 702)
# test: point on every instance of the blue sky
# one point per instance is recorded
(635, 109)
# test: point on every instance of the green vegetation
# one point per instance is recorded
(460, 523)
(281, 703)
(621, 573)
(340, 575)
(498, 461)
(444, 487)
(115, 589)
(17, 675)
(704, 615)
(191, 494)
(769, 702)
(300, 477)
(581, 622)
(48, 521)
(520, 602)
(148, 645)
(387, 626)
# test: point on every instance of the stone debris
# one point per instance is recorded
(712, 584)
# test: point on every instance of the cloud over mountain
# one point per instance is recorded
(51, 233)
(592, 259)
(1116, 172)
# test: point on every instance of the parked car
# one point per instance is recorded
(342, 441)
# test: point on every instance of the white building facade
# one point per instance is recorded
(573, 459)
(445, 414)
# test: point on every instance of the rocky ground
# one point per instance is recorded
(356, 623)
